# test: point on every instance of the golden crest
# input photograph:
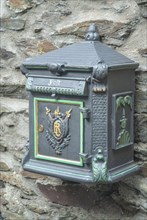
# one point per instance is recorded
(58, 129)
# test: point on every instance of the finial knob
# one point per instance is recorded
(92, 33)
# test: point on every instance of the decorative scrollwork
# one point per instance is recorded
(123, 101)
(56, 68)
(92, 33)
(29, 83)
(100, 71)
(124, 136)
(99, 166)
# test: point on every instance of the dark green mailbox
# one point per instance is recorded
(81, 108)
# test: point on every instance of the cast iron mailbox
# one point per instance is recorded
(81, 112)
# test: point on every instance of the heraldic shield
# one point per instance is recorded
(57, 133)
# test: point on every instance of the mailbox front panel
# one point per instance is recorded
(58, 130)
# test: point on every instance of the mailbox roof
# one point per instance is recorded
(84, 54)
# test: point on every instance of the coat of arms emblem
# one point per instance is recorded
(57, 133)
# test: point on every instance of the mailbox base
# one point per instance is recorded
(77, 174)
(122, 171)
(62, 172)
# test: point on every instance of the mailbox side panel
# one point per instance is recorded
(120, 123)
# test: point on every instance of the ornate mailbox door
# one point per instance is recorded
(58, 130)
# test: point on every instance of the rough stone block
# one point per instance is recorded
(141, 78)
(143, 169)
(143, 7)
(13, 24)
(4, 166)
(17, 180)
(141, 128)
(32, 175)
(12, 82)
(22, 5)
(6, 55)
(5, 12)
(14, 117)
(139, 216)
(141, 148)
(71, 194)
(45, 46)
(137, 182)
(9, 105)
(132, 52)
(130, 196)
(141, 99)
(33, 47)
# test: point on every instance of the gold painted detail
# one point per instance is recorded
(57, 111)
(99, 88)
(58, 129)
(40, 128)
(68, 113)
(47, 111)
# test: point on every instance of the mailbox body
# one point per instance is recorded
(81, 113)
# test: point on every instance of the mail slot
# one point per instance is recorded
(81, 105)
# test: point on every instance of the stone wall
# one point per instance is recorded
(32, 27)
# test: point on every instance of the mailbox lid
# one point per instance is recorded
(82, 56)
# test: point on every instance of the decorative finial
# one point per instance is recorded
(92, 33)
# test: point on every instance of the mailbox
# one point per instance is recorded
(81, 104)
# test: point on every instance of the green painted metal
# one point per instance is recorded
(56, 90)
(124, 171)
(99, 166)
(123, 101)
(31, 67)
(77, 91)
(123, 138)
(65, 68)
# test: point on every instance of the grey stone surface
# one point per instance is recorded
(9, 105)
(128, 48)
(32, 27)
(139, 216)
(6, 55)
(4, 166)
(14, 124)
(22, 5)
(143, 7)
(15, 24)
(141, 127)
(141, 99)
(137, 182)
